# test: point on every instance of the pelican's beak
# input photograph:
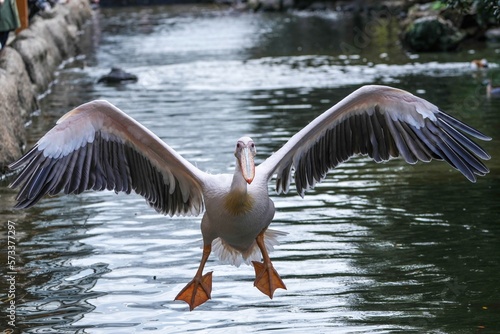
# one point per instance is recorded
(247, 164)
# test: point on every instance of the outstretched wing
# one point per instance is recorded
(383, 123)
(97, 146)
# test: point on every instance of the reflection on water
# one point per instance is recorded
(375, 248)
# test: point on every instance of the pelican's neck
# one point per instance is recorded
(488, 89)
(237, 200)
(239, 184)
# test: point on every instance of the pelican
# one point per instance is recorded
(492, 91)
(97, 146)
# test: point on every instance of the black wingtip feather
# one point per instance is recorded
(462, 126)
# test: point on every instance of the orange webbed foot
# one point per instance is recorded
(197, 291)
(267, 279)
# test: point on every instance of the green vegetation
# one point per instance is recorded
(488, 11)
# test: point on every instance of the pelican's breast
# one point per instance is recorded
(237, 203)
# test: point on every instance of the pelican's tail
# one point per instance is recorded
(228, 254)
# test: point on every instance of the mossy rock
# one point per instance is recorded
(432, 33)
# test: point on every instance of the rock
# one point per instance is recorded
(432, 33)
(18, 101)
(116, 76)
(270, 5)
(44, 46)
(12, 132)
(27, 67)
(13, 65)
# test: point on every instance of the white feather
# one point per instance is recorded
(228, 254)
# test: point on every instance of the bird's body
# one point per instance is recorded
(492, 91)
(96, 147)
(236, 215)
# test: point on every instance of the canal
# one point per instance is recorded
(375, 248)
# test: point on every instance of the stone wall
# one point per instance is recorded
(27, 67)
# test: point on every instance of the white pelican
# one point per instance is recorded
(492, 91)
(97, 146)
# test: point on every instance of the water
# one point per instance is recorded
(375, 248)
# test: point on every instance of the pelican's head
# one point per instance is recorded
(245, 153)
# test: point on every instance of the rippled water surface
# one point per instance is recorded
(375, 248)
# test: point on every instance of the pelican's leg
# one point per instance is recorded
(198, 290)
(266, 277)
